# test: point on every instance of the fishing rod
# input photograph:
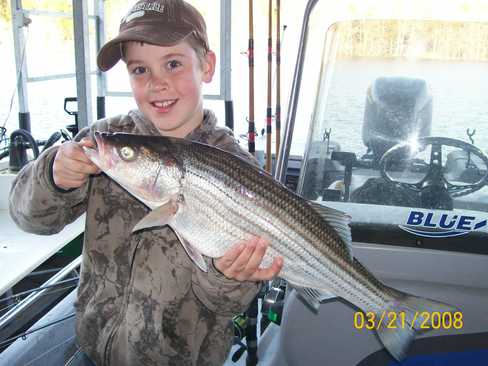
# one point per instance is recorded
(250, 55)
(252, 333)
(278, 81)
(269, 99)
(71, 282)
(24, 335)
(3, 129)
(17, 302)
(70, 341)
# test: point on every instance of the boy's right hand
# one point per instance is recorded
(71, 167)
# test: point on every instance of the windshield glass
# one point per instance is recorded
(401, 116)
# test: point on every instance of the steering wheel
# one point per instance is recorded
(434, 175)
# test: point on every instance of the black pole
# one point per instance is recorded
(24, 121)
(251, 334)
(229, 114)
(250, 55)
(101, 107)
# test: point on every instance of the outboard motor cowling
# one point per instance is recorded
(397, 109)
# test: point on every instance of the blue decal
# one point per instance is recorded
(464, 222)
(451, 223)
(415, 218)
(433, 225)
(428, 220)
(480, 224)
(433, 234)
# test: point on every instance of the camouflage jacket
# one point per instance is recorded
(141, 300)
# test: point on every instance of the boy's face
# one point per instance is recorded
(167, 82)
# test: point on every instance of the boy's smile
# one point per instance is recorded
(164, 106)
(166, 83)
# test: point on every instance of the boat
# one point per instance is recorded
(385, 122)
(413, 182)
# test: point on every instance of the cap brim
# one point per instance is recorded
(110, 53)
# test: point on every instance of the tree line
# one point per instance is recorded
(465, 41)
(428, 40)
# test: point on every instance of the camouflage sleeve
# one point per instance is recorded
(37, 205)
(218, 293)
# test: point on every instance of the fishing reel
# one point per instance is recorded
(272, 296)
(240, 323)
(273, 301)
(72, 111)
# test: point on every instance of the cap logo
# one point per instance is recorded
(139, 10)
(134, 15)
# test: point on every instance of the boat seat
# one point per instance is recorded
(380, 192)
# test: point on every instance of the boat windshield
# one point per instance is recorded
(401, 120)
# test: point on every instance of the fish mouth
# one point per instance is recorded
(98, 154)
(98, 140)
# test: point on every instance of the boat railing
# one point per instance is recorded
(284, 154)
(14, 319)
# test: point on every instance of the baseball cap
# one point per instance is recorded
(157, 22)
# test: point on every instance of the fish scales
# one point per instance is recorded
(248, 231)
(237, 172)
(223, 191)
(239, 219)
(224, 188)
(281, 200)
(272, 197)
(232, 173)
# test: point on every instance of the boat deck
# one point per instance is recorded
(21, 252)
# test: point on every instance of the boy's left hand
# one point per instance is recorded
(242, 262)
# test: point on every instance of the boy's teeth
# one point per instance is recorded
(164, 104)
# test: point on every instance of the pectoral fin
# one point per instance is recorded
(163, 215)
(158, 217)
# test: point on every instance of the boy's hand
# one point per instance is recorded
(242, 262)
(72, 167)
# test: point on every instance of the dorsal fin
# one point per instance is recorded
(338, 220)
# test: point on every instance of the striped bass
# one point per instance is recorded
(213, 200)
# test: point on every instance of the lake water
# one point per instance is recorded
(459, 97)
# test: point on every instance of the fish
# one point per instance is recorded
(213, 200)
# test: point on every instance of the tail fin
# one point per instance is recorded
(405, 315)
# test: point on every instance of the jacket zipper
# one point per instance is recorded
(116, 326)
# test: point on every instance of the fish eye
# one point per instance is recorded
(127, 153)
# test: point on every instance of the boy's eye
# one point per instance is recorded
(138, 70)
(173, 64)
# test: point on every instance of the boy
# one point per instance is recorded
(141, 301)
